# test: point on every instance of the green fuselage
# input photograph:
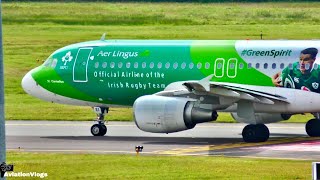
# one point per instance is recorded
(120, 71)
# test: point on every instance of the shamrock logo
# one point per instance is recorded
(67, 58)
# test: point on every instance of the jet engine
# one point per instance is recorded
(159, 114)
(262, 118)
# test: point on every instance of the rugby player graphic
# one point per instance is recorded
(304, 74)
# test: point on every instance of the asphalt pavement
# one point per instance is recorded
(287, 140)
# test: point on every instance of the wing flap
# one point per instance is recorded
(263, 96)
(241, 92)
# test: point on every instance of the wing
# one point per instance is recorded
(205, 87)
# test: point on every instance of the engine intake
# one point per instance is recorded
(161, 114)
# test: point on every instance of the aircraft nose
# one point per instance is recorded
(28, 83)
(31, 86)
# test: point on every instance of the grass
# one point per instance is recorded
(161, 13)
(33, 30)
(98, 166)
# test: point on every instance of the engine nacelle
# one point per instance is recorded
(159, 114)
(262, 118)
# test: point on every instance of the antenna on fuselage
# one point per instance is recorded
(103, 37)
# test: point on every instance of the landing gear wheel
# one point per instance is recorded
(98, 130)
(313, 128)
(255, 133)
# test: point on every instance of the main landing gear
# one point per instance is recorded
(313, 126)
(260, 132)
(255, 133)
(99, 129)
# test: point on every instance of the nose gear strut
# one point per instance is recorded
(99, 129)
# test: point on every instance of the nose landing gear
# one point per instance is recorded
(99, 129)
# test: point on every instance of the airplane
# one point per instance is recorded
(175, 84)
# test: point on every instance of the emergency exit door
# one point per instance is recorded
(219, 68)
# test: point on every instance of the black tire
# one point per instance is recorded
(248, 133)
(255, 133)
(313, 128)
(98, 130)
(263, 132)
(103, 130)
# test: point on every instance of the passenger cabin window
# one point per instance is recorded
(167, 65)
(104, 65)
(281, 66)
(112, 65)
(315, 66)
(199, 65)
(183, 65)
(96, 65)
(231, 66)
(144, 65)
(128, 65)
(249, 65)
(207, 65)
(159, 65)
(274, 65)
(135, 65)
(151, 65)
(290, 66)
(175, 65)
(257, 65)
(219, 65)
(241, 66)
(191, 66)
(120, 64)
(265, 65)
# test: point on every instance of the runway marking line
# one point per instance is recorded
(194, 149)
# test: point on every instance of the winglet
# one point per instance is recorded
(103, 37)
(205, 82)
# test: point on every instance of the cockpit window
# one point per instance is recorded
(54, 63)
(48, 62)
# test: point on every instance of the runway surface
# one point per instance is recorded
(288, 141)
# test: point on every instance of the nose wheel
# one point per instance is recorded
(99, 129)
